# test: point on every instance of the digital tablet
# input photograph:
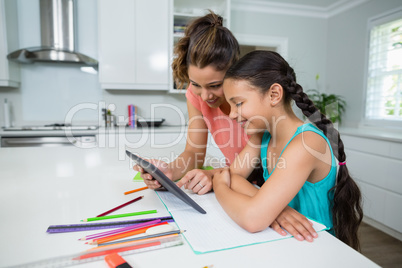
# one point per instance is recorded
(165, 181)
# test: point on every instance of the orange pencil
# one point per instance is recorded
(136, 190)
(122, 235)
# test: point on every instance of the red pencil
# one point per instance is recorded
(118, 207)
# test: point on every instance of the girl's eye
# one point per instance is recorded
(239, 104)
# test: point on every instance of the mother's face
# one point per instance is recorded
(207, 83)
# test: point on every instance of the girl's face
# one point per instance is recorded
(207, 83)
(247, 106)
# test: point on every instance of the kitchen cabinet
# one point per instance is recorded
(134, 44)
(185, 11)
(9, 71)
(375, 164)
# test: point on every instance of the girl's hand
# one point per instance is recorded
(198, 180)
(295, 223)
(222, 177)
(148, 179)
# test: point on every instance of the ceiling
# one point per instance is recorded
(309, 8)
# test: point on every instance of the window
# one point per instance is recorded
(384, 74)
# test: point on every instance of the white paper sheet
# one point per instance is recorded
(215, 230)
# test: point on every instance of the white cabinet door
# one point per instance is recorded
(134, 44)
(152, 42)
(9, 71)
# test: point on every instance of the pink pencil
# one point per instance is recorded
(118, 207)
(119, 230)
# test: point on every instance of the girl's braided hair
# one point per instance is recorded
(264, 68)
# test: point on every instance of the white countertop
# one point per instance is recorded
(373, 133)
(62, 185)
(110, 131)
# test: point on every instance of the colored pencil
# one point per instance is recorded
(100, 225)
(119, 230)
(121, 215)
(101, 253)
(118, 207)
(126, 244)
(122, 235)
(143, 237)
(136, 190)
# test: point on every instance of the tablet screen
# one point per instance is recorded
(165, 181)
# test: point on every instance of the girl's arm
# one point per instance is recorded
(256, 213)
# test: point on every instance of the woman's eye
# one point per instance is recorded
(239, 104)
(196, 85)
(216, 86)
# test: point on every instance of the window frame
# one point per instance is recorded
(371, 23)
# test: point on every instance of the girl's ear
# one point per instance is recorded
(275, 94)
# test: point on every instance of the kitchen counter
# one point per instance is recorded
(110, 131)
(392, 135)
(47, 186)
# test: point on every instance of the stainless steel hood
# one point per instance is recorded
(57, 36)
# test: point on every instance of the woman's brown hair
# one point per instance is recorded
(206, 42)
(264, 68)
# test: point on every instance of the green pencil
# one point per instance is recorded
(121, 215)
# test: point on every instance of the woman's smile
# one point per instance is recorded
(212, 101)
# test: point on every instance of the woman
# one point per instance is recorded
(202, 57)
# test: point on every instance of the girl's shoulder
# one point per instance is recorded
(311, 140)
(310, 145)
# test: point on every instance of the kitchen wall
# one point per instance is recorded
(346, 54)
(307, 40)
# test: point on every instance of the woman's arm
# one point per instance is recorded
(193, 155)
(244, 164)
(196, 145)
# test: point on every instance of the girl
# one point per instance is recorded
(298, 159)
(202, 57)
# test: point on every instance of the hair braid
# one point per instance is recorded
(346, 207)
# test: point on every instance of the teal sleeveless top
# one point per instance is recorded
(313, 199)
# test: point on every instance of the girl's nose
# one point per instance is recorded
(233, 114)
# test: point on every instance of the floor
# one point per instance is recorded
(379, 247)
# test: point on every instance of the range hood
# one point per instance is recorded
(57, 26)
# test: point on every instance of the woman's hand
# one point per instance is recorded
(148, 179)
(295, 223)
(197, 180)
